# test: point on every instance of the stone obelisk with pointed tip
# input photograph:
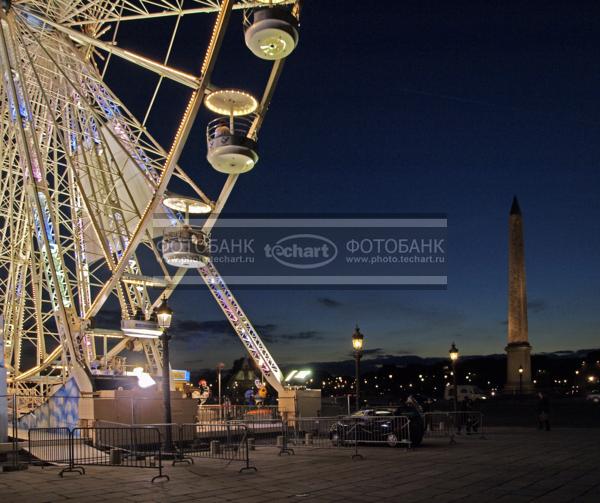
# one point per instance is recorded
(518, 351)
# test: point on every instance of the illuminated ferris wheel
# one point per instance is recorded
(82, 179)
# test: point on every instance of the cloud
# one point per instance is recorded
(370, 352)
(328, 302)
(190, 328)
(298, 336)
(403, 352)
(537, 305)
(423, 319)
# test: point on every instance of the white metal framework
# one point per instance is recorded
(81, 179)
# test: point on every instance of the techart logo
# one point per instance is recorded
(302, 251)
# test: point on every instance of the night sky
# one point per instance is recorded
(409, 107)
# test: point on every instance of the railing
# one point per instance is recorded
(450, 424)
(63, 411)
(223, 129)
(350, 431)
(224, 440)
(134, 447)
(9, 429)
(214, 412)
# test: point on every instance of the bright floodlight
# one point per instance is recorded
(144, 379)
(298, 375)
(231, 102)
(164, 314)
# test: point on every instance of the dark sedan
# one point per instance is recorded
(379, 426)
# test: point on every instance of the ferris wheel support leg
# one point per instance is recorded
(242, 326)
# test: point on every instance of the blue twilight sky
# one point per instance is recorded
(407, 107)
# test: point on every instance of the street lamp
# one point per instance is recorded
(164, 314)
(220, 368)
(520, 379)
(453, 357)
(357, 344)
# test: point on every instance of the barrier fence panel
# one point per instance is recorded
(317, 432)
(450, 424)
(439, 425)
(350, 432)
(134, 447)
(269, 433)
(393, 431)
(50, 446)
(9, 433)
(226, 440)
(471, 422)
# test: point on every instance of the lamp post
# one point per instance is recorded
(164, 314)
(357, 344)
(220, 368)
(520, 379)
(453, 358)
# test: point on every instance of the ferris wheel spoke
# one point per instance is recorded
(142, 11)
(158, 68)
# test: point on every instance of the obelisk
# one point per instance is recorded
(518, 350)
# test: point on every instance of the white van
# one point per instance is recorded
(464, 391)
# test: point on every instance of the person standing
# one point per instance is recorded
(543, 410)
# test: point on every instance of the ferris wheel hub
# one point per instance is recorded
(273, 33)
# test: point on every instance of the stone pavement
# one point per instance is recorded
(511, 465)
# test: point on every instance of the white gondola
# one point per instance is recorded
(272, 32)
(231, 144)
(186, 246)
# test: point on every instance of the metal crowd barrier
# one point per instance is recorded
(469, 421)
(133, 447)
(269, 432)
(9, 428)
(212, 412)
(450, 424)
(225, 440)
(351, 432)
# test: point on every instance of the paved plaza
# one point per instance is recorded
(512, 465)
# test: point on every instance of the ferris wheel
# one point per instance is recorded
(82, 178)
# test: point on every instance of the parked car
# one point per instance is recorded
(379, 426)
(593, 396)
(464, 391)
